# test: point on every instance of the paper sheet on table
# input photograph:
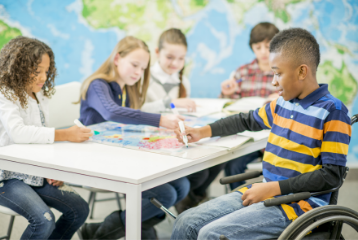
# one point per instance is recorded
(205, 106)
(247, 104)
(228, 142)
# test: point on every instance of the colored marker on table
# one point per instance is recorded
(80, 125)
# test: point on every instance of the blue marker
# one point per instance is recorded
(174, 110)
(237, 81)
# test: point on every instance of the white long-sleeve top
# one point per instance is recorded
(162, 89)
(19, 125)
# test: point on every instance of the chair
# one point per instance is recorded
(61, 107)
(12, 214)
(92, 198)
(322, 223)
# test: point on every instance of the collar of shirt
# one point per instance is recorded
(158, 73)
(313, 96)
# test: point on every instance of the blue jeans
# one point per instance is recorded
(227, 216)
(239, 165)
(168, 194)
(34, 204)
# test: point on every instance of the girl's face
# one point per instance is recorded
(41, 74)
(131, 67)
(262, 51)
(171, 57)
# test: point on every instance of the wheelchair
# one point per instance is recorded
(319, 223)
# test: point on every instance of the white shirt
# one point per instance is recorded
(19, 125)
(162, 89)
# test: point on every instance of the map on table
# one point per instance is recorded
(158, 140)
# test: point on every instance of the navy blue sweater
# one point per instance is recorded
(104, 103)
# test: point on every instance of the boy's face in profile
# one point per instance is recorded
(286, 76)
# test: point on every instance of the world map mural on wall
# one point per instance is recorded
(82, 34)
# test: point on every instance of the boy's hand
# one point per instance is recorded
(54, 182)
(193, 134)
(77, 134)
(229, 87)
(260, 192)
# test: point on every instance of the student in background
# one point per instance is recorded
(252, 79)
(306, 150)
(27, 75)
(114, 93)
(168, 83)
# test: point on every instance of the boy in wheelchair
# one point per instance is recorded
(306, 149)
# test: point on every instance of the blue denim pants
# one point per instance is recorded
(227, 216)
(34, 204)
(168, 194)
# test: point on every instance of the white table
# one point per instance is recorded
(112, 168)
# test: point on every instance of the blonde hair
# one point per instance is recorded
(109, 73)
(174, 36)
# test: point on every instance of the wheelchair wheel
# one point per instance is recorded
(330, 219)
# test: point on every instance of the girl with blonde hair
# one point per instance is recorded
(114, 93)
(118, 88)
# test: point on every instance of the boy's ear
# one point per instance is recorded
(302, 71)
(156, 51)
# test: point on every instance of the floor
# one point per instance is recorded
(348, 197)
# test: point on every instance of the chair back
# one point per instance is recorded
(62, 109)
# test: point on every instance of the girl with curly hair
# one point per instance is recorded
(114, 93)
(27, 74)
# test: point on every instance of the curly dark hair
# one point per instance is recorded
(298, 44)
(19, 60)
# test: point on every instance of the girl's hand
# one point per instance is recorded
(77, 134)
(193, 134)
(170, 121)
(187, 103)
(229, 87)
(54, 182)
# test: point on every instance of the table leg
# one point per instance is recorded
(133, 212)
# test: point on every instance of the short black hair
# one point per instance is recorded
(299, 44)
(263, 31)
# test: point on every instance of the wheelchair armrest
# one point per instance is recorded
(287, 199)
(240, 177)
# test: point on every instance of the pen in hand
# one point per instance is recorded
(182, 130)
(181, 124)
